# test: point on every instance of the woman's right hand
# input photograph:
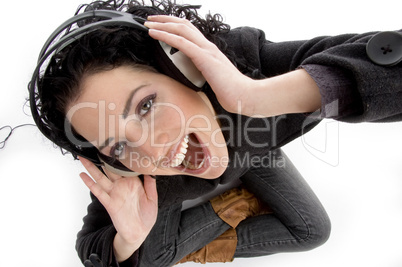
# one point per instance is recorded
(132, 206)
(229, 84)
(292, 92)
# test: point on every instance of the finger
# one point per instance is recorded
(186, 30)
(96, 174)
(179, 31)
(165, 19)
(95, 188)
(187, 47)
(150, 188)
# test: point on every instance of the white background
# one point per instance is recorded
(356, 170)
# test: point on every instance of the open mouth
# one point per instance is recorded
(190, 155)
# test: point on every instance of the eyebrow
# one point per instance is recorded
(126, 109)
(129, 101)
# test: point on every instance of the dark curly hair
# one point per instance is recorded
(105, 49)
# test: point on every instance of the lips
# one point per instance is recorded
(189, 155)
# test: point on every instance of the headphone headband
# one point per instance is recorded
(106, 18)
(110, 18)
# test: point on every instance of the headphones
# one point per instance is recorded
(170, 61)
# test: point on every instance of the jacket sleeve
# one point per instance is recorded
(353, 86)
(97, 235)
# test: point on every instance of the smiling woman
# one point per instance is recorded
(104, 81)
(122, 105)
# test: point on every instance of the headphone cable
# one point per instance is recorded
(11, 129)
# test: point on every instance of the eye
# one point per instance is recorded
(117, 150)
(145, 105)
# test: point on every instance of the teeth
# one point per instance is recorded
(183, 149)
(179, 157)
(189, 165)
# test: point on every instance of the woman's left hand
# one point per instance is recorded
(229, 84)
(131, 204)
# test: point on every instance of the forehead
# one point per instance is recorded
(103, 83)
(101, 93)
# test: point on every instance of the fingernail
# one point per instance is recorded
(147, 24)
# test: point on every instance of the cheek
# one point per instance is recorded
(168, 113)
(138, 163)
(192, 108)
(177, 112)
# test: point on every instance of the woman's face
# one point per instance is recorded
(150, 122)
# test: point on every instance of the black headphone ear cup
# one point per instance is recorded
(178, 66)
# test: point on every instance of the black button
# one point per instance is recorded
(385, 48)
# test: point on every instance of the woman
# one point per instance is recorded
(272, 182)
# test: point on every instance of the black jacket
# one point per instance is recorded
(362, 90)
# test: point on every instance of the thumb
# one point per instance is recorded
(150, 188)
